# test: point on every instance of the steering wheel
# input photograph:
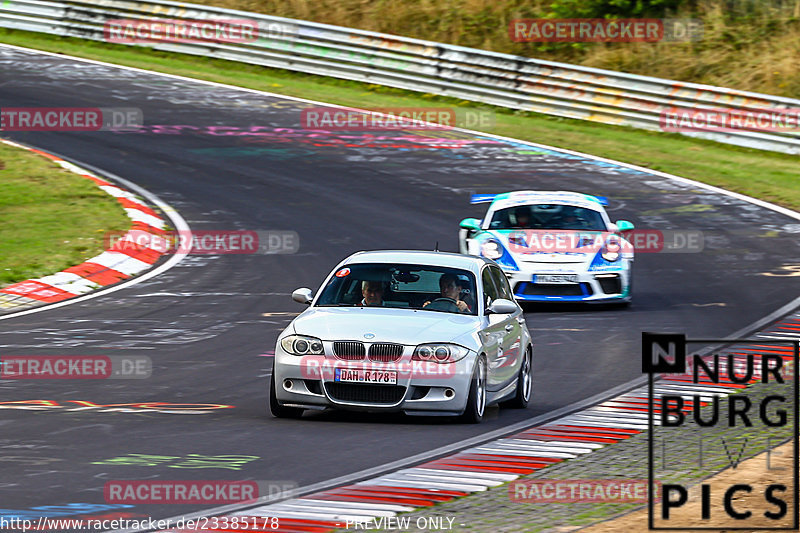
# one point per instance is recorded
(443, 304)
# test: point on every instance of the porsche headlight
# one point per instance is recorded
(439, 352)
(611, 250)
(302, 345)
(492, 249)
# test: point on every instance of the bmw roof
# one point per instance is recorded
(419, 257)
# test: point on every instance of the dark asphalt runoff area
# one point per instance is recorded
(235, 160)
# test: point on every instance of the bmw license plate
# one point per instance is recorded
(555, 278)
(382, 377)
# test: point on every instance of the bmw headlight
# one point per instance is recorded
(439, 352)
(492, 249)
(611, 250)
(302, 345)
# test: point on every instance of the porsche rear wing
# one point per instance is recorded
(489, 198)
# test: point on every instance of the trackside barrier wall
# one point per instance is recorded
(476, 75)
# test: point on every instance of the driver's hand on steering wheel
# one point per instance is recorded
(461, 304)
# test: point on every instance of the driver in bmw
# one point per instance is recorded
(449, 287)
(372, 291)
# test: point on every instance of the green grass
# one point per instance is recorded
(30, 250)
(50, 218)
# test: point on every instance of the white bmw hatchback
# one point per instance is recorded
(424, 333)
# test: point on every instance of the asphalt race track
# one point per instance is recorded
(235, 160)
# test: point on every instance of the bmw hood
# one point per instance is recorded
(403, 326)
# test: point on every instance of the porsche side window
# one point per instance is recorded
(489, 290)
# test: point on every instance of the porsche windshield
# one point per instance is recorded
(424, 287)
(548, 216)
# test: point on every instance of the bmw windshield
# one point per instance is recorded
(421, 287)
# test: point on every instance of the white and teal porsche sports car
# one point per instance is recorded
(554, 246)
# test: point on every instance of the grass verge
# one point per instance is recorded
(766, 175)
(50, 218)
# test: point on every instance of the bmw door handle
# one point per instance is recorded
(509, 327)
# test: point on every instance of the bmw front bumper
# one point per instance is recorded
(310, 382)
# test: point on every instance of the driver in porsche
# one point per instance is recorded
(449, 287)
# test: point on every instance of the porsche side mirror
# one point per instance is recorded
(472, 224)
(624, 225)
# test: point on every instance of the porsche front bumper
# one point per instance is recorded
(599, 286)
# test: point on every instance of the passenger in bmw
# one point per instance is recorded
(451, 292)
(372, 291)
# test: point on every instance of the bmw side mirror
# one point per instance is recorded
(472, 224)
(624, 225)
(501, 306)
(303, 296)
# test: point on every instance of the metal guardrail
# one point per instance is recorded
(476, 75)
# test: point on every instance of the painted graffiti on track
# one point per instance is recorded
(142, 407)
(191, 461)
